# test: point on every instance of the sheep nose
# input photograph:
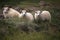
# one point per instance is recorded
(6, 12)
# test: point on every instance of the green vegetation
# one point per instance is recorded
(21, 29)
(10, 29)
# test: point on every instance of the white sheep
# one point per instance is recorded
(10, 12)
(36, 14)
(28, 15)
(43, 15)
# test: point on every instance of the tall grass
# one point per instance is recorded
(15, 29)
(21, 29)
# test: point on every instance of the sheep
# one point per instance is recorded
(28, 15)
(36, 14)
(43, 15)
(10, 12)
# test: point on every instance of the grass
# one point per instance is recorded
(13, 32)
(31, 36)
(25, 4)
(15, 29)
(10, 29)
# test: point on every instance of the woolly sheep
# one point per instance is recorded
(27, 15)
(36, 14)
(44, 15)
(10, 12)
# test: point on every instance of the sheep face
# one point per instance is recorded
(23, 11)
(5, 9)
(36, 14)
